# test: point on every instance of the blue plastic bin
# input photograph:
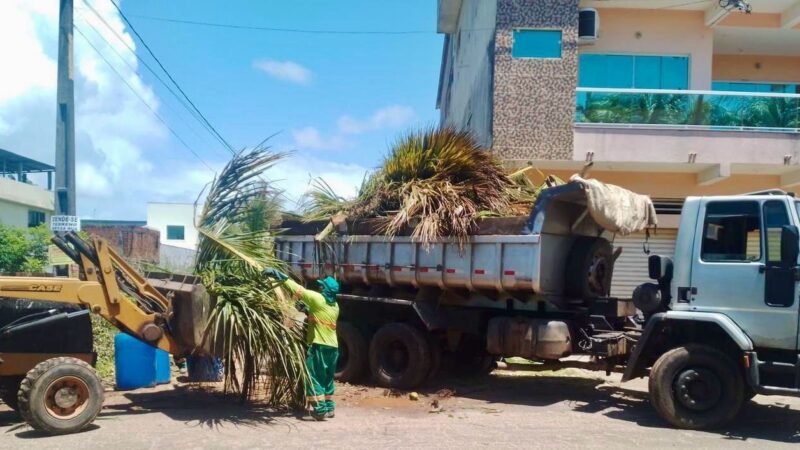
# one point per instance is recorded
(135, 362)
(163, 372)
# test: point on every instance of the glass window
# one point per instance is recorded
(775, 217)
(776, 88)
(35, 218)
(732, 232)
(175, 232)
(536, 44)
(633, 71)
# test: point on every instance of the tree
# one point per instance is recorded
(23, 249)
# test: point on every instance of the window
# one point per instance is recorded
(734, 86)
(175, 232)
(536, 44)
(732, 232)
(633, 71)
(775, 217)
(35, 218)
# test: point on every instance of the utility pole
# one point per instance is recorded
(65, 116)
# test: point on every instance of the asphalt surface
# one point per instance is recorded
(567, 409)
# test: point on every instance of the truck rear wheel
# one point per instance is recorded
(696, 387)
(60, 396)
(590, 264)
(353, 353)
(399, 356)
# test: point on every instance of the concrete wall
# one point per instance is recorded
(160, 215)
(177, 259)
(534, 99)
(16, 199)
(658, 32)
(779, 69)
(466, 97)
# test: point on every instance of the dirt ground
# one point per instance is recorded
(512, 409)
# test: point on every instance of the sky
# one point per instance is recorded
(335, 101)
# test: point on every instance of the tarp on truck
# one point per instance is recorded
(617, 209)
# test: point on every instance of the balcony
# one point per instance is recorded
(693, 110)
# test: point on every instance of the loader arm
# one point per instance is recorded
(108, 286)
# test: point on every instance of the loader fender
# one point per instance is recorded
(647, 344)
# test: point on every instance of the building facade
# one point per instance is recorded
(176, 224)
(666, 97)
(24, 203)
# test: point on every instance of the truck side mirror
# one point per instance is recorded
(790, 246)
(659, 268)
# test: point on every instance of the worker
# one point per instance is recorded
(323, 346)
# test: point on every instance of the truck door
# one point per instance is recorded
(736, 270)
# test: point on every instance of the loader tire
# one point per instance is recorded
(399, 356)
(589, 267)
(353, 353)
(696, 387)
(9, 387)
(60, 396)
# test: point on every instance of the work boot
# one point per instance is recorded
(318, 416)
(330, 414)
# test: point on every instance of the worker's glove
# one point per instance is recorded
(302, 307)
(275, 274)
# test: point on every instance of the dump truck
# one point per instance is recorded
(717, 325)
(46, 341)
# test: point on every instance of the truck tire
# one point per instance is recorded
(60, 396)
(399, 356)
(589, 267)
(696, 387)
(353, 353)
(9, 387)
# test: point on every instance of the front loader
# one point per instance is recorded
(46, 359)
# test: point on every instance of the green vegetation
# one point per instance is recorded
(104, 334)
(250, 326)
(23, 249)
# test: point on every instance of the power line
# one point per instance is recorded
(147, 47)
(152, 110)
(281, 30)
(134, 71)
(152, 71)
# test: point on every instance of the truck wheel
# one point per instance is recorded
(399, 356)
(60, 396)
(353, 353)
(589, 267)
(9, 387)
(696, 387)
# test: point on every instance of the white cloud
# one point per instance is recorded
(392, 116)
(295, 175)
(284, 70)
(120, 145)
(311, 139)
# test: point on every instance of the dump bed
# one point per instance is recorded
(525, 255)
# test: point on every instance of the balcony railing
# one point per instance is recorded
(707, 110)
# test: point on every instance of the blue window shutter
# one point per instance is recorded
(674, 72)
(647, 72)
(536, 44)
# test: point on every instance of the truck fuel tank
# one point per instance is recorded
(528, 338)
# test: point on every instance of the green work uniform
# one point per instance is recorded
(323, 346)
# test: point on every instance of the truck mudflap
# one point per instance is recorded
(636, 366)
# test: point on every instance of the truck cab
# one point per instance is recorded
(722, 321)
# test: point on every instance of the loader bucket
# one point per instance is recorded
(191, 307)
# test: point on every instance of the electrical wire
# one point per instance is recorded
(282, 30)
(169, 75)
(147, 66)
(152, 110)
(134, 71)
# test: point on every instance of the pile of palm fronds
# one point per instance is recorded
(434, 183)
(250, 325)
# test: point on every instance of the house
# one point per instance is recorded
(176, 224)
(666, 97)
(22, 202)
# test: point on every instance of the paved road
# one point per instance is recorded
(512, 410)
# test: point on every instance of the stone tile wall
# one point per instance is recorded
(534, 99)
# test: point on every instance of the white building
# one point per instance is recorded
(22, 203)
(175, 222)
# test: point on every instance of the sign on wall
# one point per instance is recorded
(65, 223)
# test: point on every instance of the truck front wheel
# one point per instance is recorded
(399, 356)
(696, 387)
